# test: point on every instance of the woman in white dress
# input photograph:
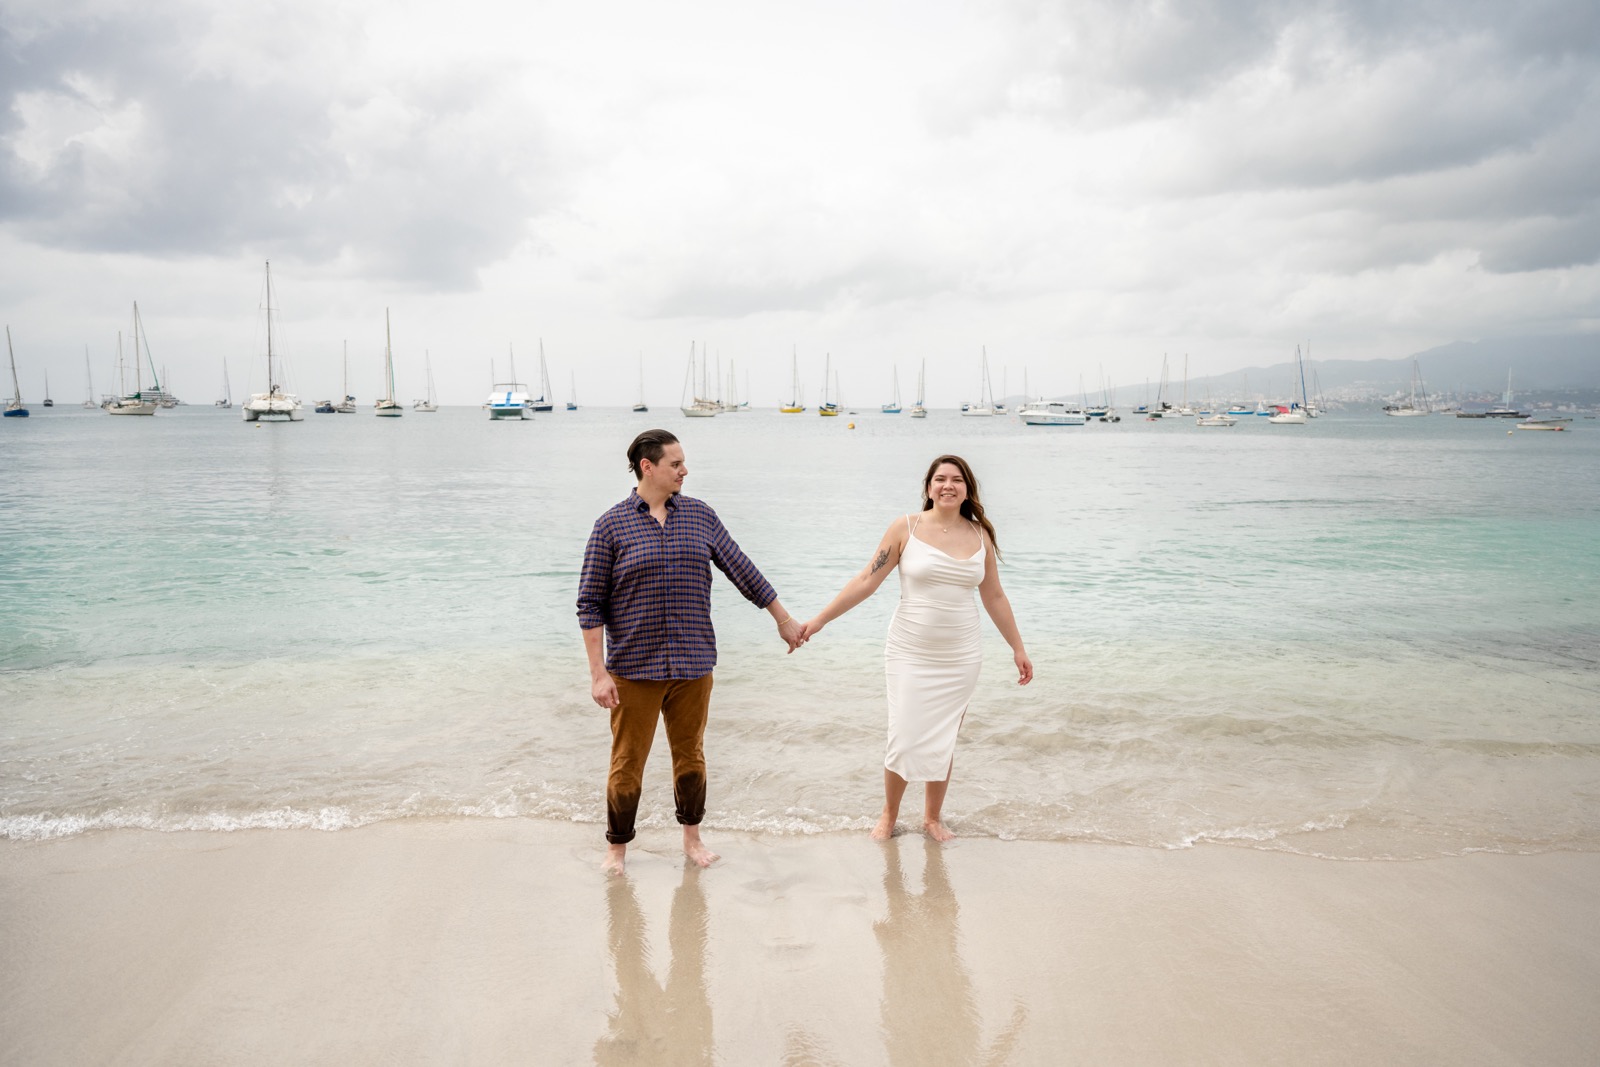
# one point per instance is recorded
(933, 655)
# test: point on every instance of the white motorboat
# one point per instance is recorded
(1216, 420)
(509, 400)
(1051, 413)
(1544, 424)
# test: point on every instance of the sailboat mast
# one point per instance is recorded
(16, 387)
(138, 368)
(388, 355)
(271, 385)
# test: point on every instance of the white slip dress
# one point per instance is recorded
(932, 658)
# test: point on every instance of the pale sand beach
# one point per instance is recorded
(499, 942)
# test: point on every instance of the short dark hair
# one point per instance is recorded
(648, 445)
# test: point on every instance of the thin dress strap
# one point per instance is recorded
(911, 527)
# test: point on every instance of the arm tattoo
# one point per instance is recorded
(883, 557)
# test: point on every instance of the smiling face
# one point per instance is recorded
(946, 486)
(665, 476)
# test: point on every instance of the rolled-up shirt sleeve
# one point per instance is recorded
(594, 582)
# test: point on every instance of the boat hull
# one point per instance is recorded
(272, 407)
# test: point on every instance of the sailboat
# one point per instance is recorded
(88, 380)
(136, 402)
(733, 405)
(227, 393)
(387, 406)
(274, 404)
(984, 408)
(1506, 410)
(1295, 414)
(641, 406)
(1417, 402)
(47, 401)
(893, 406)
(700, 406)
(431, 403)
(572, 396)
(794, 406)
(827, 407)
(14, 410)
(347, 406)
(918, 410)
(508, 399)
(544, 401)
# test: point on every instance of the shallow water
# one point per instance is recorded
(1363, 638)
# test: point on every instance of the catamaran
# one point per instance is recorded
(273, 405)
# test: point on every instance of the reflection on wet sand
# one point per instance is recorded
(652, 1023)
(929, 1013)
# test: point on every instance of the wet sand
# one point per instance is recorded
(498, 941)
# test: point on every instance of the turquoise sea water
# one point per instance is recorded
(1362, 638)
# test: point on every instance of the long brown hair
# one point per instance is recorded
(971, 508)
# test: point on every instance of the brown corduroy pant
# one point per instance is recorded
(682, 705)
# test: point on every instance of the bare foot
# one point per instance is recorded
(616, 861)
(885, 828)
(696, 849)
(937, 830)
(699, 854)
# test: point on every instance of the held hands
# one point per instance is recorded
(792, 632)
(810, 629)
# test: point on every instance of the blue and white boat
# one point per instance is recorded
(509, 400)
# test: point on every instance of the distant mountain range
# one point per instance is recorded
(1536, 363)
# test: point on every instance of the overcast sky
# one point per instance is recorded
(1076, 186)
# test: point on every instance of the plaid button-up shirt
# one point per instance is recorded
(649, 584)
